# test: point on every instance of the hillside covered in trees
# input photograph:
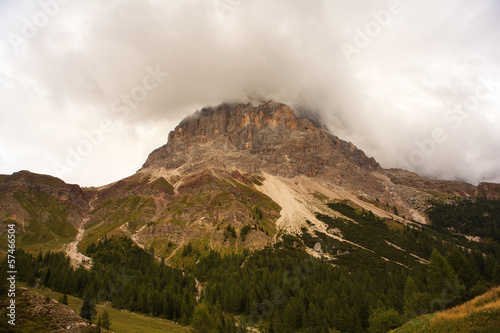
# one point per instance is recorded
(282, 288)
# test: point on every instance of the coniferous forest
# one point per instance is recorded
(479, 217)
(284, 289)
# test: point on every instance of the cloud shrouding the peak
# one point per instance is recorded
(88, 89)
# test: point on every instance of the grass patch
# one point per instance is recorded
(320, 196)
(93, 235)
(48, 228)
(482, 314)
(163, 185)
(135, 210)
(162, 247)
(193, 250)
(441, 195)
(394, 225)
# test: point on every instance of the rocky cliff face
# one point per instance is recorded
(266, 138)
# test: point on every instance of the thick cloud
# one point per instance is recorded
(88, 89)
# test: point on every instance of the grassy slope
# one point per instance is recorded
(134, 210)
(482, 314)
(48, 227)
(121, 321)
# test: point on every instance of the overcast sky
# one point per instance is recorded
(89, 88)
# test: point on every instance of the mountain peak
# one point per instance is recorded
(228, 119)
(268, 138)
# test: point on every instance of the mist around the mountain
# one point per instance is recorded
(92, 84)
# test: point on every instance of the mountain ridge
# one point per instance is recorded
(234, 166)
(261, 130)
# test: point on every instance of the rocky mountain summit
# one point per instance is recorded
(266, 138)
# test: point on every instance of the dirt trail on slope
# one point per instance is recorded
(76, 257)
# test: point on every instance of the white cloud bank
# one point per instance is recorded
(89, 88)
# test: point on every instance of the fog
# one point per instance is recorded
(89, 88)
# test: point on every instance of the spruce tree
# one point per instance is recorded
(88, 309)
(104, 320)
(202, 321)
(64, 299)
(382, 320)
(440, 274)
(410, 289)
(443, 283)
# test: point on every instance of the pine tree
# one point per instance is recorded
(31, 278)
(88, 309)
(442, 282)
(277, 322)
(202, 321)
(419, 304)
(440, 274)
(382, 320)
(104, 321)
(495, 277)
(46, 277)
(410, 289)
(463, 267)
(39, 258)
(64, 299)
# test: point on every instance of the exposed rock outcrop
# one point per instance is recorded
(268, 138)
(40, 313)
